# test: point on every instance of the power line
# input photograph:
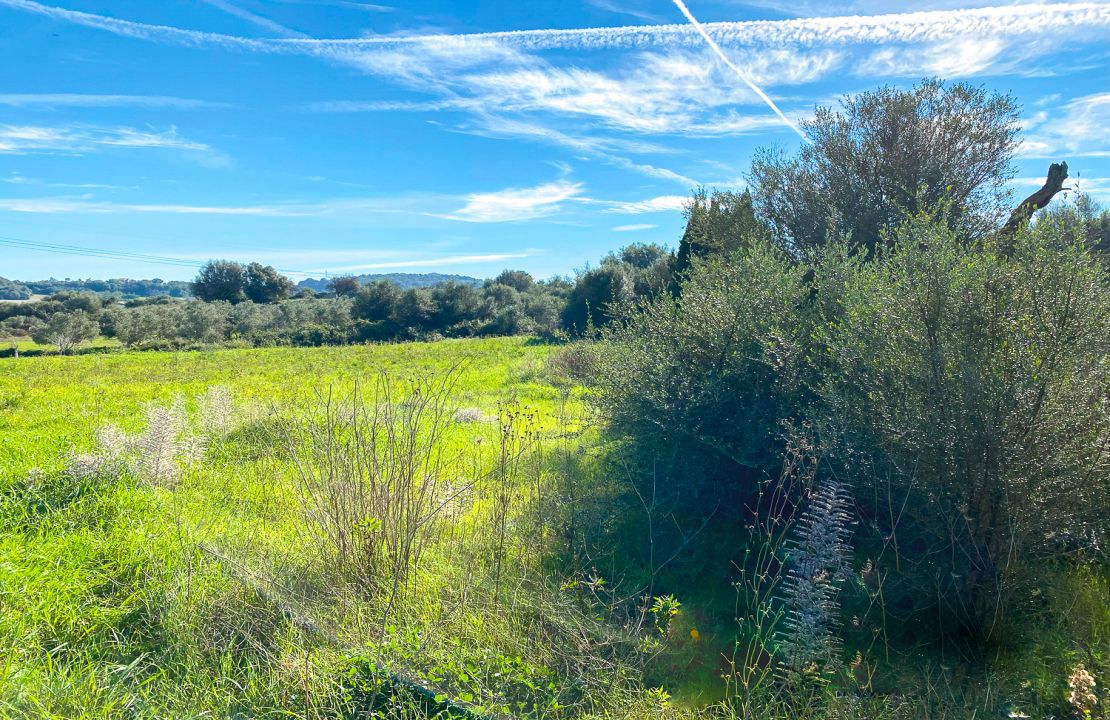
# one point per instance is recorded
(114, 254)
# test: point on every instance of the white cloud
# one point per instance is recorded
(17, 179)
(517, 203)
(667, 83)
(1010, 21)
(1077, 129)
(634, 228)
(76, 139)
(254, 19)
(52, 100)
(678, 92)
(824, 8)
(744, 76)
(948, 59)
(85, 204)
(435, 262)
(662, 203)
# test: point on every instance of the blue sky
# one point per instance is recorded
(345, 136)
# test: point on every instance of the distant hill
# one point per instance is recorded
(405, 280)
(13, 290)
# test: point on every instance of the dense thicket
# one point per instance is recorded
(951, 378)
(11, 290)
(122, 287)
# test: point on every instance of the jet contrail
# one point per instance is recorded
(720, 53)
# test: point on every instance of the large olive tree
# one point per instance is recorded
(886, 156)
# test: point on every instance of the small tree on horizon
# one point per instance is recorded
(66, 331)
(220, 280)
(264, 284)
(344, 285)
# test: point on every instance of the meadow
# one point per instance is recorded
(246, 576)
(204, 592)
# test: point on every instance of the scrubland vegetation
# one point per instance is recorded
(843, 455)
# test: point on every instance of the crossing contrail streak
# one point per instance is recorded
(739, 73)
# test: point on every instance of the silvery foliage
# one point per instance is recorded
(168, 443)
(818, 563)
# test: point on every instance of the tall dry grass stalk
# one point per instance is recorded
(374, 476)
(759, 588)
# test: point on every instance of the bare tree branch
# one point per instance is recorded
(1019, 218)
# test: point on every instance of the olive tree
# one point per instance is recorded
(66, 331)
(886, 156)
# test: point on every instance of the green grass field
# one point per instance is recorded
(215, 592)
(207, 597)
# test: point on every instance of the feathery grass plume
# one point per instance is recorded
(160, 445)
(1081, 691)
(473, 415)
(109, 457)
(113, 442)
(169, 441)
(85, 466)
(817, 566)
(214, 412)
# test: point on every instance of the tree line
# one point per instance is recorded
(253, 305)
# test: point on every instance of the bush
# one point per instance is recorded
(962, 381)
(66, 331)
(971, 381)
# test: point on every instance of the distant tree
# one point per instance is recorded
(594, 296)
(643, 255)
(649, 267)
(344, 286)
(888, 156)
(455, 303)
(220, 280)
(66, 331)
(375, 302)
(202, 322)
(415, 309)
(516, 279)
(716, 223)
(1096, 220)
(263, 284)
(11, 290)
(84, 301)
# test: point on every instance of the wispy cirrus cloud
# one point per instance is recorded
(19, 179)
(516, 204)
(1077, 128)
(634, 228)
(925, 26)
(253, 18)
(435, 261)
(78, 139)
(665, 81)
(661, 203)
(87, 204)
(511, 204)
(57, 100)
